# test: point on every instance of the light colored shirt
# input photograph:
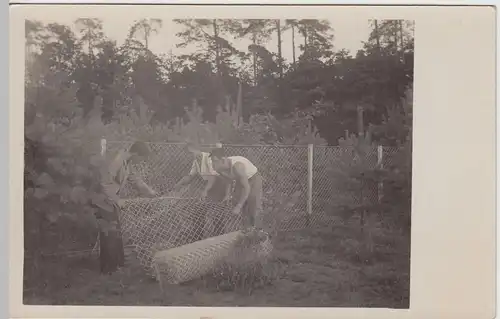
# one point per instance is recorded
(202, 165)
(117, 173)
(250, 169)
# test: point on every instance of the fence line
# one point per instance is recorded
(317, 171)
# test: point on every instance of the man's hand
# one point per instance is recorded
(203, 195)
(151, 192)
(226, 199)
(176, 187)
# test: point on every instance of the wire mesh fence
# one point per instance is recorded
(321, 175)
(334, 187)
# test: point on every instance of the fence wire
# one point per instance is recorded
(335, 186)
(154, 224)
(162, 223)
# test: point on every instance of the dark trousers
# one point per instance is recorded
(111, 254)
(216, 194)
(251, 212)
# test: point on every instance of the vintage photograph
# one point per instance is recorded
(218, 162)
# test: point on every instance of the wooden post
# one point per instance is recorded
(239, 105)
(310, 158)
(361, 125)
(380, 163)
(103, 147)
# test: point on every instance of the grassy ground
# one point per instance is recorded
(329, 267)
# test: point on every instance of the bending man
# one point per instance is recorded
(248, 190)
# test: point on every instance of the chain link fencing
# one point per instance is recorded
(334, 188)
(321, 175)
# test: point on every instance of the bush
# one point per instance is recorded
(355, 175)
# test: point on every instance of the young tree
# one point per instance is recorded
(259, 31)
(112, 79)
(144, 29)
(91, 35)
(216, 52)
(91, 38)
(318, 37)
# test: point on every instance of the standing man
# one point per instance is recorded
(248, 190)
(121, 170)
(114, 176)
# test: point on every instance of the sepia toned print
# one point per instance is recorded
(218, 162)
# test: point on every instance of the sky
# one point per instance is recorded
(349, 34)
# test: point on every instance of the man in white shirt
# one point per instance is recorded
(248, 188)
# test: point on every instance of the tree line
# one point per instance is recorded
(327, 83)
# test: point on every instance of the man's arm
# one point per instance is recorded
(210, 184)
(110, 189)
(241, 177)
(188, 178)
(229, 185)
(225, 176)
(140, 184)
(184, 181)
(108, 175)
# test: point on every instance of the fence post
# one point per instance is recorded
(103, 147)
(380, 163)
(310, 158)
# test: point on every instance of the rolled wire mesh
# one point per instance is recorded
(153, 224)
(194, 260)
(191, 261)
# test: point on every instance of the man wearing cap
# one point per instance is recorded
(216, 189)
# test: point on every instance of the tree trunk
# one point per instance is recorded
(280, 65)
(395, 32)
(293, 45)
(90, 51)
(280, 54)
(217, 49)
(361, 126)
(377, 35)
(254, 56)
(401, 34)
(305, 41)
(111, 250)
(401, 38)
